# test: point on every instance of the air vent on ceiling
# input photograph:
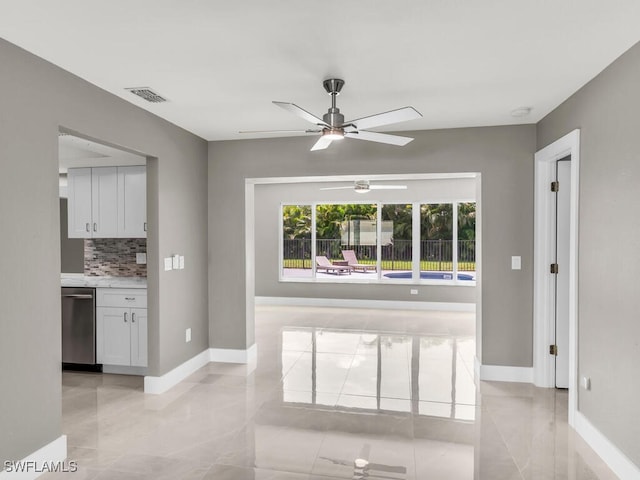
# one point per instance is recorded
(148, 94)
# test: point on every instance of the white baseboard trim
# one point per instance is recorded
(229, 355)
(612, 456)
(122, 370)
(355, 303)
(157, 385)
(500, 373)
(39, 462)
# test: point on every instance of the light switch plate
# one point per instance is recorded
(141, 258)
(168, 263)
(187, 335)
(586, 383)
(516, 263)
(181, 262)
(176, 262)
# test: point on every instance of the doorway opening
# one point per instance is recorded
(103, 239)
(264, 213)
(555, 266)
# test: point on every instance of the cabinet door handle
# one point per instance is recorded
(88, 227)
(129, 298)
(133, 318)
(95, 227)
(125, 317)
(145, 226)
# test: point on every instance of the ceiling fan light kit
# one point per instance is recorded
(333, 127)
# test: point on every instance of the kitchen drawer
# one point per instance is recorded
(121, 297)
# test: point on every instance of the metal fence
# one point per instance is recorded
(434, 254)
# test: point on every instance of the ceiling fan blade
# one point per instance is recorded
(387, 468)
(280, 131)
(350, 187)
(379, 137)
(387, 118)
(336, 461)
(322, 143)
(300, 112)
(388, 187)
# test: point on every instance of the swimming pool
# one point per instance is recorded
(430, 275)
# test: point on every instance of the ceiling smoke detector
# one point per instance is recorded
(521, 112)
(147, 94)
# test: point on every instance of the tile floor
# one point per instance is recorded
(336, 394)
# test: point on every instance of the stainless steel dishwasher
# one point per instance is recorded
(79, 328)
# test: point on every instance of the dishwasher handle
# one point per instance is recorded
(79, 295)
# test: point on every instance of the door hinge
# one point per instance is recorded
(553, 350)
(554, 268)
(555, 186)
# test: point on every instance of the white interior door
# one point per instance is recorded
(563, 211)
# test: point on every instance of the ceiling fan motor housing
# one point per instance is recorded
(333, 117)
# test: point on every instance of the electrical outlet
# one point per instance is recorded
(187, 335)
(141, 258)
(414, 291)
(516, 263)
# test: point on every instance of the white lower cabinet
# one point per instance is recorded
(121, 327)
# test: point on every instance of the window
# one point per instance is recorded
(391, 242)
(397, 246)
(351, 227)
(296, 241)
(466, 240)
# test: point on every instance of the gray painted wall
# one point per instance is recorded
(503, 156)
(35, 99)
(606, 111)
(71, 249)
(268, 199)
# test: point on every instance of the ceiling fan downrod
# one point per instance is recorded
(333, 117)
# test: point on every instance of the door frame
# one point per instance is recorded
(543, 299)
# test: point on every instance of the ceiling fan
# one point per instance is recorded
(333, 127)
(363, 186)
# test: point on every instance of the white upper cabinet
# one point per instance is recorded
(132, 202)
(79, 202)
(107, 202)
(104, 202)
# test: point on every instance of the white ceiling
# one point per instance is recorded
(75, 152)
(460, 63)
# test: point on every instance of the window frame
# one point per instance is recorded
(378, 278)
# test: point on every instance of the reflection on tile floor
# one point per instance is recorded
(336, 394)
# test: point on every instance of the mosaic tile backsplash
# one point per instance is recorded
(115, 257)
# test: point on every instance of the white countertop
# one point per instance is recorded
(80, 280)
